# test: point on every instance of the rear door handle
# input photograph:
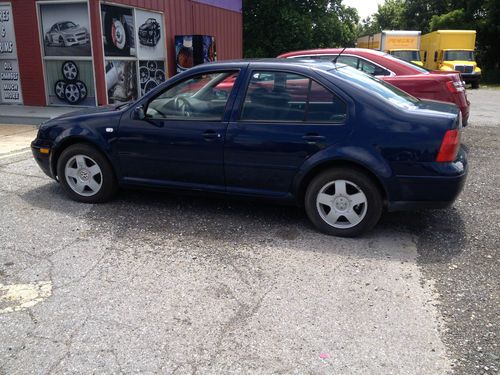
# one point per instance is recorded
(313, 138)
(210, 135)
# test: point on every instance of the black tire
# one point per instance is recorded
(475, 84)
(70, 71)
(72, 94)
(59, 89)
(83, 90)
(109, 185)
(365, 184)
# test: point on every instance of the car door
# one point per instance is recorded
(178, 138)
(283, 118)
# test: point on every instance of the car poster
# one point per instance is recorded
(70, 82)
(150, 39)
(65, 29)
(121, 80)
(118, 30)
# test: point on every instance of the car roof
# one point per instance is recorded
(325, 51)
(397, 66)
(272, 62)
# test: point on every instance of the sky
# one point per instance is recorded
(365, 7)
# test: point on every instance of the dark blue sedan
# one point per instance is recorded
(343, 144)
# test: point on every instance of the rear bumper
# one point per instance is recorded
(434, 191)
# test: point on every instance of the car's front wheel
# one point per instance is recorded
(343, 202)
(85, 174)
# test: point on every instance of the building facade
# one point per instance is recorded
(95, 52)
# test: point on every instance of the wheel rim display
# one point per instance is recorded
(118, 34)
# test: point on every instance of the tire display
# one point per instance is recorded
(69, 89)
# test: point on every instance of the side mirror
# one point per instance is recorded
(139, 113)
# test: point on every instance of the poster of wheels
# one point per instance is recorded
(118, 28)
(65, 29)
(70, 82)
(150, 31)
(121, 80)
(151, 74)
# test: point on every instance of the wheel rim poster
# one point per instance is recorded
(67, 53)
(134, 49)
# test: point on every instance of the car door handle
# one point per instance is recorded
(211, 135)
(313, 138)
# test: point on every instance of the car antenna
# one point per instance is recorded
(336, 57)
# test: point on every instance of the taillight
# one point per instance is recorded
(454, 86)
(449, 147)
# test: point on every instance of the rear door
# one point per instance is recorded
(282, 119)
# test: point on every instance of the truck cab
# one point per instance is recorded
(452, 50)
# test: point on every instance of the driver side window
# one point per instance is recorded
(202, 97)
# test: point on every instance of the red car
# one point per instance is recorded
(413, 79)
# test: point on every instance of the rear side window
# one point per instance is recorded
(288, 97)
(348, 60)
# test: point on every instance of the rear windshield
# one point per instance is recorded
(383, 89)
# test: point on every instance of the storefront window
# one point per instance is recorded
(67, 53)
(134, 48)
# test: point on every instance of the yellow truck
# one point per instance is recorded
(452, 50)
(402, 44)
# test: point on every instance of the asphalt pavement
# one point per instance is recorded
(164, 283)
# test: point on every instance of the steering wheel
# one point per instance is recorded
(182, 105)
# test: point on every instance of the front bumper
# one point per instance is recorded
(438, 189)
(43, 160)
(76, 42)
(471, 77)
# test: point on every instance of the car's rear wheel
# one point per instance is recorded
(343, 202)
(85, 174)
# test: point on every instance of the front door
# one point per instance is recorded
(180, 141)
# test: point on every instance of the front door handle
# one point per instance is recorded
(210, 135)
(312, 138)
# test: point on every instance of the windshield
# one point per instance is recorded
(67, 25)
(459, 55)
(385, 90)
(407, 55)
(409, 64)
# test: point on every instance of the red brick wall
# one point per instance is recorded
(28, 52)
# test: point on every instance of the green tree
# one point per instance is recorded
(389, 15)
(272, 27)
